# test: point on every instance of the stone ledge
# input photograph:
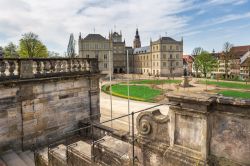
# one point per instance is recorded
(200, 98)
(233, 101)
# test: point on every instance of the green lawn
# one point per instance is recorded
(156, 82)
(236, 94)
(227, 84)
(142, 93)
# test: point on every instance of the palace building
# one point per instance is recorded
(162, 57)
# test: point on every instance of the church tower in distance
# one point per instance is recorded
(137, 41)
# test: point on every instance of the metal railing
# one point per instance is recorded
(94, 141)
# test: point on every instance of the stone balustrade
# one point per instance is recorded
(14, 68)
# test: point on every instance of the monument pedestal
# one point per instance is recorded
(185, 81)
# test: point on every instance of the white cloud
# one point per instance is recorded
(54, 20)
(221, 2)
(227, 18)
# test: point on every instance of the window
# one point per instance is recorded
(105, 56)
(177, 56)
(177, 63)
(164, 56)
(171, 56)
(105, 65)
(177, 48)
(96, 56)
(170, 47)
(164, 48)
(164, 64)
(87, 56)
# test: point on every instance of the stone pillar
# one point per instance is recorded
(26, 69)
(152, 136)
(189, 134)
(94, 95)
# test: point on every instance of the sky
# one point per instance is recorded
(201, 23)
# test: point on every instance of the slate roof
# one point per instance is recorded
(239, 51)
(166, 39)
(94, 37)
(145, 49)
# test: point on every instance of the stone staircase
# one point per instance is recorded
(12, 158)
(79, 154)
(109, 151)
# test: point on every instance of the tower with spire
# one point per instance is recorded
(137, 41)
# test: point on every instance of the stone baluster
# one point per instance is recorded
(12, 67)
(74, 65)
(38, 67)
(64, 66)
(84, 64)
(2, 68)
(47, 67)
(53, 66)
(87, 65)
(58, 66)
(79, 65)
(69, 66)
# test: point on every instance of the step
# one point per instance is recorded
(41, 157)
(79, 154)
(113, 151)
(24, 156)
(30, 154)
(12, 159)
(57, 156)
(2, 163)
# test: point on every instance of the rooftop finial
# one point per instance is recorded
(80, 35)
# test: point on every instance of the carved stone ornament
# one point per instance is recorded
(145, 127)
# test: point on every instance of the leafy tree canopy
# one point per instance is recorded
(31, 47)
(207, 62)
(196, 52)
(53, 54)
(10, 51)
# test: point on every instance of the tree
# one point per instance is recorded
(30, 46)
(227, 54)
(196, 52)
(10, 51)
(53, 54)
(207, 63)
(1, 52)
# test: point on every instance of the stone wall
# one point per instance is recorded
(31, 112)
(230, 132)
(200, 129)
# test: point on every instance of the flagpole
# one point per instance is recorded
(128, 92)
(110, 90)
